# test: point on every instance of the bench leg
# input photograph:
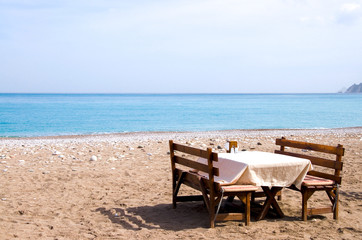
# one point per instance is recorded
(304, 207)
(247, 208)
(336, 205)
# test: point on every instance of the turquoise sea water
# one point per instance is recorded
(63, 114)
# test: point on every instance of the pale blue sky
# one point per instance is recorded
(158, 46)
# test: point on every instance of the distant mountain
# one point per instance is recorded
(355, 88)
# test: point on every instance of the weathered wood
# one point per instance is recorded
(178, 185)
(336, 205)
(195, 165)
(261, 194)
(316, 211)
(192, 180)
(304, 205)
(311, 146)
(230, 216)
(337, 172)
(315, 160)
(211, 190)
(173, 170)
(325, 175)
(307, 190)
(247, 208)
(270, 200)
(192, 151)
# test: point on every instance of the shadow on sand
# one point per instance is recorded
(163, 216)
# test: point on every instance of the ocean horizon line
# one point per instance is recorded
(150, 93)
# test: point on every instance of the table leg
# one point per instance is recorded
(270, 194)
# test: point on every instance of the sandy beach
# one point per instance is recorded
(118, 186)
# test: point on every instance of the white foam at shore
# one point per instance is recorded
(161, 136)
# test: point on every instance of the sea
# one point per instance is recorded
(31, 115)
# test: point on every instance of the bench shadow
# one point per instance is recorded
(351, 194)
(161, 216)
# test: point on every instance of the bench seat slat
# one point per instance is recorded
(316, 181)
(326, 176)
(239, 188)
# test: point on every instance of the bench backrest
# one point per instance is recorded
(335, 164)
(188, 156)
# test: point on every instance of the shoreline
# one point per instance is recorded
(144, 136)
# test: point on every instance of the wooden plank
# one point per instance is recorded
(174, 172)
(230, 216)
(260, 194)
(192, 180)
(315, 160)
(316, 211)
(178, 185)
(191, 164)
(195, 165)
(193, 151)
(310, 146)
(326, 175)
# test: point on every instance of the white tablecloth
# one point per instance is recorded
(261, 169)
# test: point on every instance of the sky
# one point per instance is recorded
(185, 46)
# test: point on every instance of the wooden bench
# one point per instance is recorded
(186, 170)
(317, 180)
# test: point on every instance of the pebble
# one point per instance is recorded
(94, 158)
(3, 199)
(56, 153)
(149, 154)
(61, 156)
(21, 162)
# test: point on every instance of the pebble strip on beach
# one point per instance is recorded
(118, 186)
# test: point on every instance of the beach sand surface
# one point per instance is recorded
(118, 186)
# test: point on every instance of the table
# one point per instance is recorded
(270, 171)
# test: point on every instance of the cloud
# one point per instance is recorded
(349, 14)
(350, 7)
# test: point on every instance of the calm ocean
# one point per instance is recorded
(63, 114)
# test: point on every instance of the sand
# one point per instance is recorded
(51, 189)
